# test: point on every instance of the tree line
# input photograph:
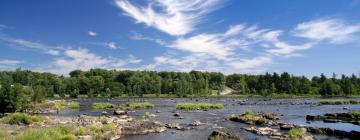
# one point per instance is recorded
(112, 83)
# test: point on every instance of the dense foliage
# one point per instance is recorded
(20, 86)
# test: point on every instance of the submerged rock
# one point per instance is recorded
(219, 135)
(334, 118)
(174, 126)
(196, 123)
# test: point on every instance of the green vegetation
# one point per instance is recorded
(102, 106)
(20, 118)
(137, 105)
(296, 133)
(61, 104)
(4, 135)
(21, 87)
(356, 115)
(52, 133)
(337, 102)
(251, 118)
(198, 106)
(97, 132)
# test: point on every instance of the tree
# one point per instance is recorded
(12, 98)
(39, 94)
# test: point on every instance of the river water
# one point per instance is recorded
(289, 111)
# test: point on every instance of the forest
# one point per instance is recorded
(19, 87)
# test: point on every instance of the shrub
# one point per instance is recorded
(198, 106)
(20, 118)
(51, 133)
(296, 133)
(248, 112)
(102, 106)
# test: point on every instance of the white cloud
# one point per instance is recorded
(91, 33)
(333, 30)
(112, 45)
(10, 62)
(18, 42)
(175, 17)
(250, 64)
(83, 59)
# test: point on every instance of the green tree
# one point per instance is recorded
(39, 94)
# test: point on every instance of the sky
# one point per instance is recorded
(302, 37)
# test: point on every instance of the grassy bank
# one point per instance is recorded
(198, 106)
(21, 118)
(102, 106)
(137, 105)
(337, 102)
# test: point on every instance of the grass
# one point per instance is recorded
(51, 133)
(98, 132)
(102, 106)
(4, 135)
(337, 102)
(21, 118)
(138, 105)
(296, 133)
(198, 106)
(73, 104)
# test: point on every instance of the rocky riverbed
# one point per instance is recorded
(273, 118)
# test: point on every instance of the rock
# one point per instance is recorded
(196, 123)
(176, 114)
(263, 131)
(286, 126)
(174, 126)
(331, 120)
(87, 137)
(104, 113)
(119, 112)
(218, 135)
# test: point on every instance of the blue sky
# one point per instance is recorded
(303, 37)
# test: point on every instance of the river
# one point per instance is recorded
(289, 110)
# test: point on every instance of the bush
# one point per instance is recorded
(20, 118)
(51, 133)
(248, 112)
(102, 106)
(296, 133)
(198, 106)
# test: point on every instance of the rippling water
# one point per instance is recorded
(290, 111)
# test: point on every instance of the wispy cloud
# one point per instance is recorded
(175, 17)
(18, 42)
(110, 45)
(92, 33)
(9, 64)
(139, 36)
(331, 30)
